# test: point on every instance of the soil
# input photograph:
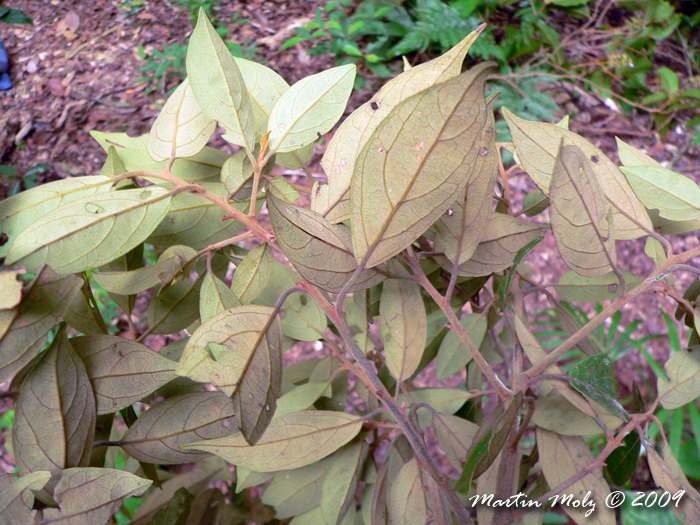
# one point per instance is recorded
(77, 69)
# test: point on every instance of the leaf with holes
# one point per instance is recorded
(408, 174)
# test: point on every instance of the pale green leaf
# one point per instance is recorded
(669, 476)
(175, 307)
(237, 176)
(311, 106)
(24, 329)
(554, 412)
(631, 156)
(537, 145)
(562, 457)
(296, 159)
(455, 436)
(218, 85)
(574, 287)
(18, 212)
(252, 275)
(683, 384)
(407, 174)
(535, 203)
(676, 196)
(215, 297)
(407, 502)
(121, 372)
(90, 496)
(113, 165)
(91, 231)
(282, 189)
(578, 209)
(320, 251)
(181, 129)
(264, 88)
(297, 491)
(291, 441)
(157, 434)
(55, 413)
(10, 289)
(402, 327)
(13, 510)
(333, 200)
(246, 478)
(452, 355)
(301, 397)
(340, 485)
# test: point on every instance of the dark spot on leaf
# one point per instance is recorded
(595, 159)
(303, 300)
(612, 288)
(3, 239)
(374, 106)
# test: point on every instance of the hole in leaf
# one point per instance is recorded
(374, 106)
(595, 159)
(3, 239)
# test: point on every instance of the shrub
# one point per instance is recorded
(411, 255)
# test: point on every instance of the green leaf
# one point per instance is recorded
(407, 175)
(91, 231)
(218, 85)
(237, 176)
(294, 492)
(561, 458)
(264, 88)
(175, 307)
(574, 287)
(593, 378)
(177, 510)
(252, 275)
(113, 165)
(683, 384)
(291, 441)
(669, 80)
(537, 145)
(523, 252)
(14, 16)
(311, 106)
(246, 344)
(12, 498)
(407, 501)
(24, 329)
(554, 412)
(631, 156)
(333, 200)
(181, 129)
(503, 238)
(20, 211)
(622, 462)
(321, 252)
(215, 297)
(121, 372)
(535, 203)
(455, 436)
(452, 355)
(340, 485)
(157, 434)
(90, 496)
(578, 210)
(55, 413)
(301, 397)
(403, 327)
(675, 196)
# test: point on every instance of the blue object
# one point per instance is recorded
(5, 82)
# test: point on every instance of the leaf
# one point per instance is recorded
(157, 434)
(55, 413)
(303, 319)
(683, 384)
(577, 288)
(113, 165)
(407, 501)
(310, 107)
(301, 397)
(246, 344)
(133, 154)
(252, 274)
(578, 210)
(455, 436)
(215, 297)
(195, 221)
(181, 129)
(668, 475)
(452, 355)
(248, 478)
(332, 200)
(175, 307)
(90, 496)
(554, 412)
(26, 327)
(121, 372)
(291, 441)
(218, 85)
(622, 462)
(562, 457)
(13, 509)
(504, 287)
(237, 176)
(294, 492)
(177, 510)
(321, 252)
(593, 378)
(631, 156)
(20, 211)
(91, 231)
(676, 196)
(503, 238)
(340, 485)
(535, 203)
(416, 164)
(282, 189)
(537, 145)
(403, 327)
(10, 289)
